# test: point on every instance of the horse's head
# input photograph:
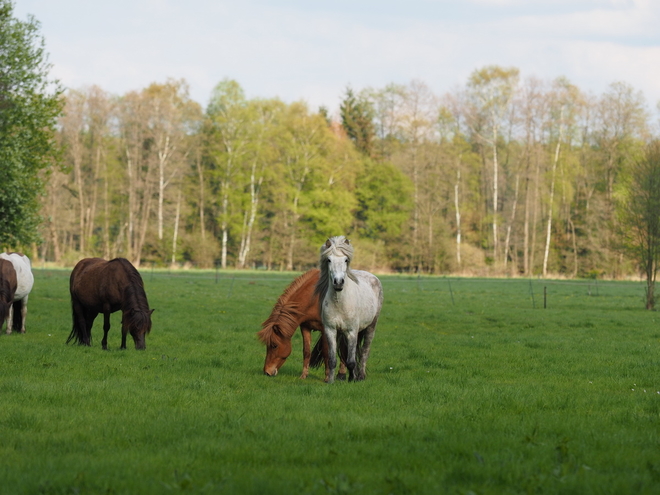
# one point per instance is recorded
(278, 348)
(138, 324)
(336, 255)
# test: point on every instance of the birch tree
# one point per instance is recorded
(490, 91)
(172, 115)
(229, 136)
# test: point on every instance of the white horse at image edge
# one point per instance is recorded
(350, 302)
(25, 281)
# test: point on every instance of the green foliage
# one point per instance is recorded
(472, 387)
(29, 106)
(357, 115)
(639, 210)
(384, 201)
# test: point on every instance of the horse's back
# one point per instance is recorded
(24, 277)
(98, 274)
(94, 285)
(373, 282)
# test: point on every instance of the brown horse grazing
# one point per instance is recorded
(8, 286)
(298, 306)
(100, 286)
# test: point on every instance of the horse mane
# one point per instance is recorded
(286, 313)
(139, 316)
(334, 245)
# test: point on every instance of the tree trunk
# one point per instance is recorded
(511, 222)
(548, 233)
(458, 218)
(176, 228)
(255, 188)
(495, 193)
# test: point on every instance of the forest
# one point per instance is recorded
(504, 175)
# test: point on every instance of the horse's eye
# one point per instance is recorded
(273, 346)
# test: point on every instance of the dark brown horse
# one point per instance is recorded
(298, 306)
(8, 286)
(100, 286)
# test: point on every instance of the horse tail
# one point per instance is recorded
(76, 335)
(317, 353)
(18, 315)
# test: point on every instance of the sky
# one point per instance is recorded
(312, 50)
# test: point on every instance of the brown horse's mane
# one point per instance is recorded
(285, 316)
(135, 297)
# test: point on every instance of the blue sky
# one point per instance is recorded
(312, 50)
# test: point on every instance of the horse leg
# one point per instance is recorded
(124, 333)
(324, 349)
(343, 352)
(23, 313)
(351, 362)
(106, 329)
(307, 349)
(331, 342)
(10, 318)
(367, 335)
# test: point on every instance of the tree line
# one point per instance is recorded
(501, 176)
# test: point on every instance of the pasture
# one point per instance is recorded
(472, 387)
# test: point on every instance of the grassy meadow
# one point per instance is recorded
(473, 387)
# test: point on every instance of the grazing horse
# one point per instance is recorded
(24, 281)
(350, 302)
(100, 286)
(298, 306)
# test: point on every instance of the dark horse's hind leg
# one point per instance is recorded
(90, 316)
(106, 329)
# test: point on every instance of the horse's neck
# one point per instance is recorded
(135, 298)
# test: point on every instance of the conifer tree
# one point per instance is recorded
(357, 120)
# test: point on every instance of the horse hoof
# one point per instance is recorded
(341, 376)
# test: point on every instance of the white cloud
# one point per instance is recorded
(308, 50)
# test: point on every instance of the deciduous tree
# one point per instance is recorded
(639, 208)
(29, 106)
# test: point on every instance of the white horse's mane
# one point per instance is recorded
(340, 246)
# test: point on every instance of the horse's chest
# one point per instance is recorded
(346, 311)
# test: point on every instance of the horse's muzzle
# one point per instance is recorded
(272, 373)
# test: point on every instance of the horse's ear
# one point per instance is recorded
(150, 312)
(347, 241)
(328, 243)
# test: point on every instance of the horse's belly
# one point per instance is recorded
(24, 281)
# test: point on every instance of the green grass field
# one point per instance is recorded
(473, 387)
